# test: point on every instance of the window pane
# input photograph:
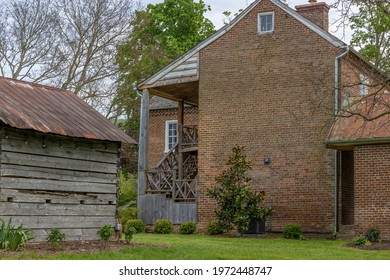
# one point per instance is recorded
(263, 23)
(266, 23)
(171, 135)
(269, 19)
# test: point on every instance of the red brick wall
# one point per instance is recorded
(157, 119)
(351, 68)
(372, 188)
(262, 92)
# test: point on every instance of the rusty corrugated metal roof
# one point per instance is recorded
(356, 128)
(45, 109)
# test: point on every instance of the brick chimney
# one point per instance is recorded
(317, 13)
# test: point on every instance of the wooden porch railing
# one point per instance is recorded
(160, 181)
(169, 161)
(185, 190)
(189, 136)
(164, 177)
(190, 167)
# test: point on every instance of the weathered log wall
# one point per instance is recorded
(48, 181)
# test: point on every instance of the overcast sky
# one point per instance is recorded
(219, 6)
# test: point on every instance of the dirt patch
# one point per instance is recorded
(384, 245)
(75, 247)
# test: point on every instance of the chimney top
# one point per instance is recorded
(318, 13)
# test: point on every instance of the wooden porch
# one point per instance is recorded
(169, 189)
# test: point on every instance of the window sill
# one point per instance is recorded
(265, 33)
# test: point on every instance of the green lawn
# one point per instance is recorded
(202, 247)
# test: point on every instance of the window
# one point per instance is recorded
(170, 134)
(363, 84)
(265, 23)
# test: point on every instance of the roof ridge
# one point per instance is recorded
(36, 84)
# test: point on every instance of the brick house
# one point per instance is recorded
(272, 80)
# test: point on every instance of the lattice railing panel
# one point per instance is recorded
(160, 181)
(190, 136)
(185, 190)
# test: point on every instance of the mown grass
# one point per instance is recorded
(201, 247)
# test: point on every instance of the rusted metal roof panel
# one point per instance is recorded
(45, 109)
(359, 128)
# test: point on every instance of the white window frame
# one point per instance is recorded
(363, 88)
(259, 15)
(167, 123)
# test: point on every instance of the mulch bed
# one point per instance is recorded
(384, 245)
(75, 247)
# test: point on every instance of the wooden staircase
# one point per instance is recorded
(175, 180)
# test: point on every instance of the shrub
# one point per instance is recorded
(129, 232)
(373, 235)
(187, 228)
(126, 214)
(127, 188)
(362, 241)
(214, 228)
(13, 238)
(163, 227)
(238, 203)
(56, 238)
(138, 225)
(105, 232)
(293, 231)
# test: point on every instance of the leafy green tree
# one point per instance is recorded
(160, 33)
(371, 27)
(179, 24)
(369, 21)
(238, 204)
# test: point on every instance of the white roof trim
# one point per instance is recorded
(326, 35)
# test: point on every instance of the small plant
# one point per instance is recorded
(187, 228)
(126, 214)
(362, 241)
(138, 225)
(105, 232)
(214, 228)
(163, 227)
(56, 238)
(13, 238)
(293, 231)
(373, 235)
(129, 232)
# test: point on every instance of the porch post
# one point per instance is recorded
(143, 148)
(180, 122)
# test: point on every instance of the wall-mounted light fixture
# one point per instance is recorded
(267, 160)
